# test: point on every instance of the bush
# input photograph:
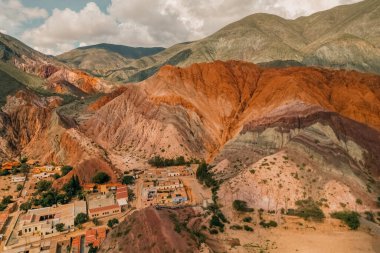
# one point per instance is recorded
(25, 206)
(112, 222)
(215, 222)
(268, 224)
(6, 200)
(248, 228)
(19, 187)
(369, 216)
(214, 231)
(236, 227)
(247, 219)
(101, 178)
(4, 172)
(241, 206)
(43, 185)
(60, 227)
(80, 219)
(308, 209)
(350, 218)
(128, 180)
(96, 221)
(65, 170)
(159, 161)
(205, 176)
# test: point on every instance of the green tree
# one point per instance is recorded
(92, 249)
(19, 187)
(60, 227)
(72, 188)
(128, 180)
(241, 206)
(80, 219)
(6, 200)
(25, 206)
(350, 218)
(65, 170)
(131, 195)
(96, 221)
(101, 178)
(112, 222)
(43, 185)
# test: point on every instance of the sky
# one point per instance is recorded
(57, 26)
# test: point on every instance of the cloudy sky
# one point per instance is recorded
(56, 26)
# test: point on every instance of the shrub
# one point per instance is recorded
(80, 219)
(96, 221)
(60, 227)
(101, 178)
(43, 185)
(247, 219)
(128, 180)
(19, 187)
(214, 231)
(248, 228)
(159, 161)
(268, 224)
(112, 222)
(65, 170)
(236, 227)
(369, 216)
(308, 209)
(25, 206)
(241, 206)
(215, 222)
(350, 218)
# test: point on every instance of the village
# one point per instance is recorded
(37, 217)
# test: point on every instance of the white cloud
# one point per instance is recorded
(158, 22)
(13, 14)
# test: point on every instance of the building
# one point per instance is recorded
(169, 184)
(3, 220)
(16, 179)
(179, 196)
(95, 236)
(42, 221)
(101, 205)
(10, 165)
(122, 196)
(43, 175)
(89, 187)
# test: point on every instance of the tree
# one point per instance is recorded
(25, 206)
(128, 180)
(65, 170)
(72, 187)
(49, 198)
(241, 206)
(43, 185)
(92, 249)
(80, 219)
(96, 221)
(60, 227)
(56, 176)
(308, 209)
(101, 178)
(23, 159)
(350, 218)
(112, 222)
(131, 195)
(24, 168)
(6, 200)
(19, 187)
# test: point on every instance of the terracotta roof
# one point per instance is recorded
(95, 236)
(76, 244)
(103, 208)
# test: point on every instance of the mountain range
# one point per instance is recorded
(281, 109)
(343, 37)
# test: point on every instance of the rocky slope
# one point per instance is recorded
(46, 72)
(343, 37)
(103, 59)
(158, 227)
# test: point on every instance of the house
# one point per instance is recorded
(95, 236)
(89, 187)
(43, 175)
(15, 179)
(42, 221)
(101, 205)
(179, 196)
(122, 196)
(10, 165)
(169, 184)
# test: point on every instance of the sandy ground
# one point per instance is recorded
(296, 235)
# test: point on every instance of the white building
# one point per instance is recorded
(43, 175)
(15, 179)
